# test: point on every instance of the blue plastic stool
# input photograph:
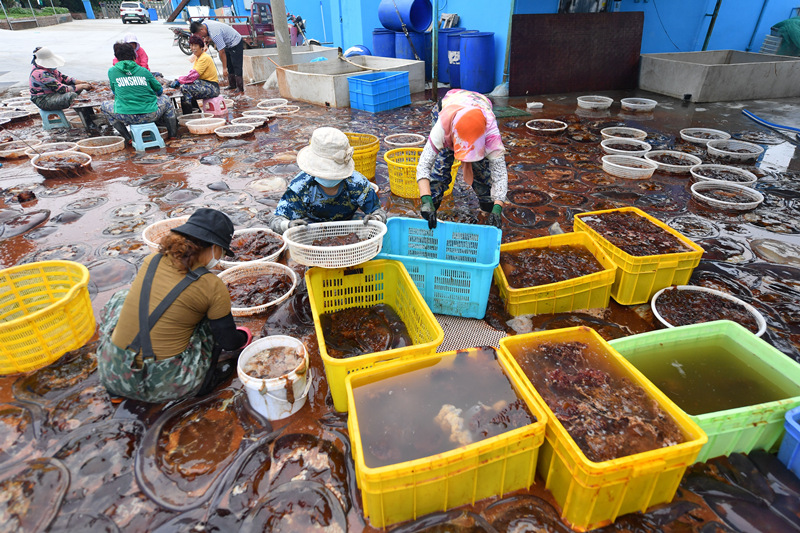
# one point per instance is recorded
(59, 122)
(140, 131)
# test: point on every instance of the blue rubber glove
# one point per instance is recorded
(175, 84)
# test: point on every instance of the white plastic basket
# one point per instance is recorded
(691, 160)
(285, 109)
(224, 263)
(15, 149)
(266, 114)
(621, 132)
(183, 119)
(255, 121)
(550, 126)
(628, 167)
(204, 126)
(691, 135)
(638, 104)
(228, 131)
(748, 178)
(402, 140)
(698, 190)
(250, 270)
(595, 102)
(271, 102)
(46, 148)
(762, 324)
(152, 234)
(299, 240)
(722, 149)
(39, 160)
(608, 147)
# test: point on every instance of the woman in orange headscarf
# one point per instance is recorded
(465, 129)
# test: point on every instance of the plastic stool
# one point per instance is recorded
(59, 122)
(140, 131)
(215, 106)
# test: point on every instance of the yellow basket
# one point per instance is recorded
(640, 277)
(402, 164)
(45, 311)
(491, 467)
(365, 153)
(593, 494)
(365, 285)
(586, 292)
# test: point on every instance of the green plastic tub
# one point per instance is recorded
(744, 359)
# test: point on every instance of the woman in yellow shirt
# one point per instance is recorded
(202, 82)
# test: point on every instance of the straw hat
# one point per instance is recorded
(329, 156)
(47, 59)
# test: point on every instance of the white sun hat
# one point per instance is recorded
(329, 156)
(47, 59)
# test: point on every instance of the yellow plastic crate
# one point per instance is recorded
(585, 292)
(491, 467)
(639, 278)
(593, 494)
(402, 163)
(45, 311)
(365, 285)
(365, 154)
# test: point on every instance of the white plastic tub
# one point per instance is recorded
(270, 397)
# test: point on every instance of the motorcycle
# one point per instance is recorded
(181, 40)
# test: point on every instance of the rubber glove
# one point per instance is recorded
(175, 84)
(428, 211)
(379, 215)
(248, 333)
(298, 222)
(494, 218)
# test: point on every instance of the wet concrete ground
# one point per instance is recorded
(59, 419)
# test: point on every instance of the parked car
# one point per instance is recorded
(129, 11)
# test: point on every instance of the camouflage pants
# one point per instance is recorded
(54, 101)
(441, 178)
(199, 90)
(165, 110)
(178, 377)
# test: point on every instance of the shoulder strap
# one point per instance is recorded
(142, 340)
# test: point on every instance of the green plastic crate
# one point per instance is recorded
(742, 429)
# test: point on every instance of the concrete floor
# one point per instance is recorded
(87, 47)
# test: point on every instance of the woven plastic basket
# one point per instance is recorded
(724, 149)
(700, 190)
(39, 162)
(152, 234)
(608, 146)
(45, 311)
(762, 324)
(230, 130)
(265, 113)
(51, 147)
(183, 119)
(365, 152)
(402, 164)
(255, 121)
(251, 270)
(400, 140)
(691, 160)
(15, 149)
(638, 104)
(102, 145)
(271, 102)
(743, 177)
(267, 258)
(546, 126)
(594, 102)
(628, 167)
(300, 239)
(703, 135)
(204, 126)
(622, 132)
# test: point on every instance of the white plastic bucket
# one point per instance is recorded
(269, 396)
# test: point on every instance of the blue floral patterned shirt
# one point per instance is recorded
(304, 198)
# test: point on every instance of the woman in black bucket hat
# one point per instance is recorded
(161, 340)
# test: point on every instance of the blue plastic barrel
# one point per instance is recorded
(477, 61)
(153, 14)
(454, 57)
(357, 50)
(417, 14)
(383, 42)
(403, 49)
(441, 53)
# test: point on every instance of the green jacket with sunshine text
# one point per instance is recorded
(135, 89)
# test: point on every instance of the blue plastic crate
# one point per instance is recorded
(451, 265)
(789, 453)
(379, 91)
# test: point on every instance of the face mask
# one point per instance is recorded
(328, 183)
(213, 262)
